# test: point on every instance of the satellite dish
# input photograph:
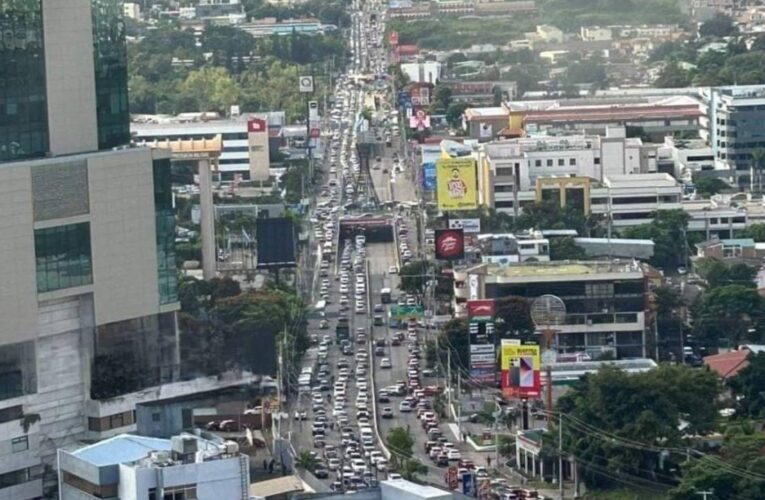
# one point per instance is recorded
(548, 311)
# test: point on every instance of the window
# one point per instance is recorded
(186, 492)
(537, 163)
(20, 476)
(19, 444)
(63, 257)
(156, 417)
(572, 161)
(597, 161)
(96, 490)
(110, 422)
(23, 107)
(167, 275)
(561, 162)
(549, 162)
(504, 171)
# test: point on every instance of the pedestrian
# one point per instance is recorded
(488, 460)
(271, 466)
(265, 464)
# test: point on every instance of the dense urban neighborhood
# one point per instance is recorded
(396, 249)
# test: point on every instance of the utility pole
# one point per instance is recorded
(449, 378)
(560, 455)
(459, 405)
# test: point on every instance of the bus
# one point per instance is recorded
(385, 296)
(342, 330)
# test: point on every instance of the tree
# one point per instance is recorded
(454, 114)
(755, 231)
(644, 407)
(668, 232)
(414, 276)
(733, 313)
(454, 337)
(210, 89)
(733, 474)
(709, 186)
(565, 248)
(305, 461)
(513, 317)
(748, 385)
(673, 76)
(411, 468)
(719, 26)
(718, 273)
(400, 443)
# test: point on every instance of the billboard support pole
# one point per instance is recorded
(547, 334)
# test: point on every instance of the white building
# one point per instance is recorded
(596, 33)
(506, 249)
(631, 199)
(132, 467)
(422, 72)
(246, 149)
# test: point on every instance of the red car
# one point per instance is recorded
(466, 464)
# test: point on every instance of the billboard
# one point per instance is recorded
(470, 226)
(259, 149)
(276, 243)
(480, 310)
(457, 185)
(429, 176)
(405, 312)
(450, 244)
(420, 120)
(520, 365)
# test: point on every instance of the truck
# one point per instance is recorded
(342, 330)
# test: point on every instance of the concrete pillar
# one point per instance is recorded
(533, 467)
(207, 222)
(541, 469)
(518, 457)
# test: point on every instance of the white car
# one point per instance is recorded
(358, 465)
(405, 407)
(385, 363)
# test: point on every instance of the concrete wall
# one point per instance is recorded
(70, 76)
(123, 239)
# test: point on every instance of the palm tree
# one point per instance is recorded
(305, 461)
(758, 165)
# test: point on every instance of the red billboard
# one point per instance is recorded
(256, 125)
(450, 244)
(480, 309)
(393, 38)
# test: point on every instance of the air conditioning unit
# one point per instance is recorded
(160, 457)
(231, 447)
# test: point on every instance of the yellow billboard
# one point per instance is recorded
(457, 186)
(520, 365)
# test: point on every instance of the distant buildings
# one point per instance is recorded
(406, 9)
(605, 301)
(132, 467)
(271, 26)
(733, 124)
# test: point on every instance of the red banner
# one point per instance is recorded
(256, 125)
(480, 308)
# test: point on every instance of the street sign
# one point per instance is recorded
(306, 84)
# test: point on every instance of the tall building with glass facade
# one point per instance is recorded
(88, 295)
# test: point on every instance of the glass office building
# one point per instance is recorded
(110, 58)
(23, 111)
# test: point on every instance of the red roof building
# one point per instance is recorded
(728, 364)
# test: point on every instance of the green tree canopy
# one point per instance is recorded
(709, 186)
(748, 386)
(668, 232)
(646, 408)
(734, 474)
(400, 443)
(565, 248)
(729, 314)
(719, 26)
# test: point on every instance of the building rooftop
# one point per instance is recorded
(639, 181)
(121, 449)
(554, 269)
(279, 486)
(727, 364)
(485, 113)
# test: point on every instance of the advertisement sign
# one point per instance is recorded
(473, 284)
(481, 349)
(450, 244)
(256, 125)
(486, 131)
(452, 479)
(313, 111)
(393, 38)
(520, 367)
(470, 226)
(480, 310)
(481, 333)
(483, 375)
(429, 176)
(305, 84)
(404, 312)
(457, 186)
(419, 120)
